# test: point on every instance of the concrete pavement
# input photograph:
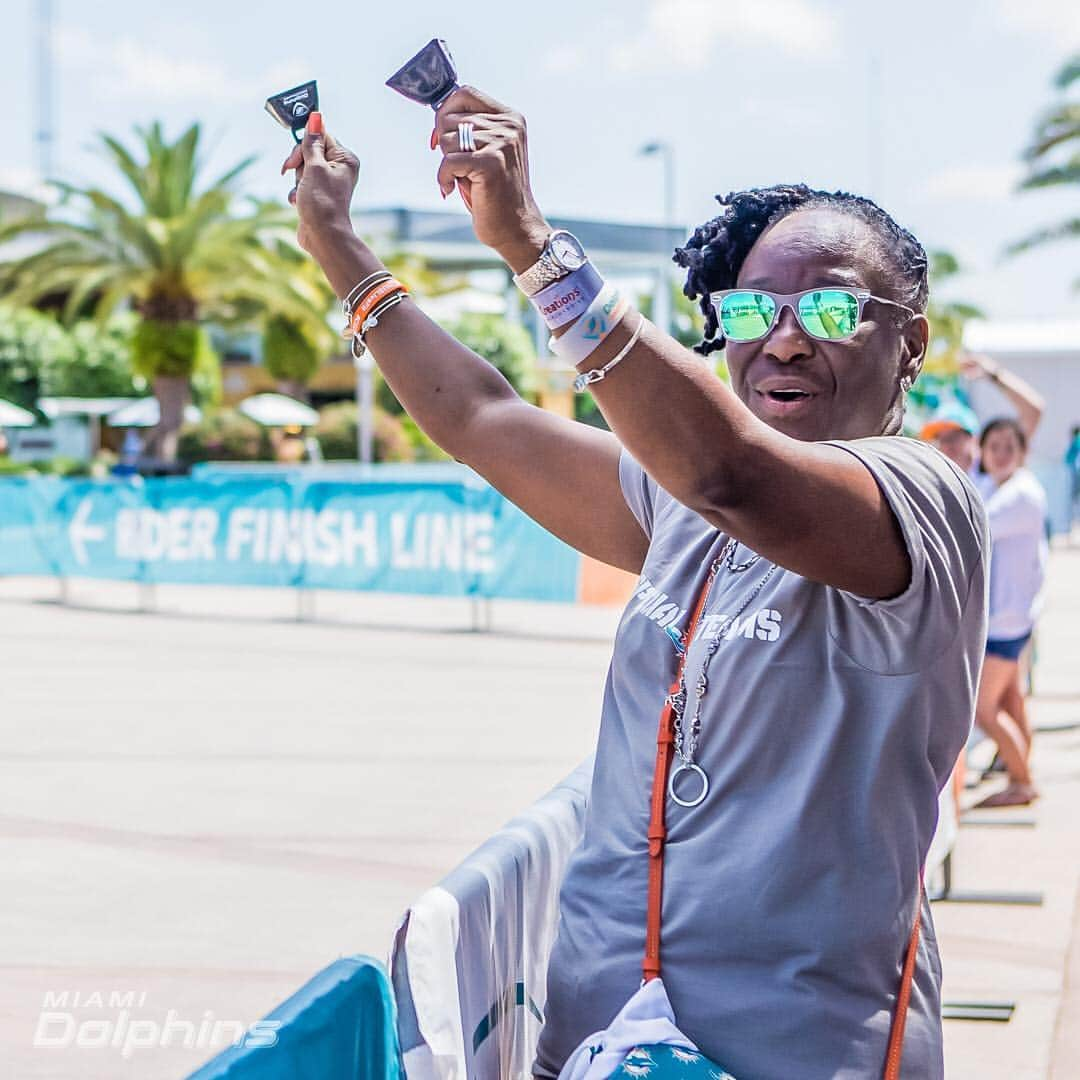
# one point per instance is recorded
(205, 806)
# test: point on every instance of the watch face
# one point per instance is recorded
(567, 251)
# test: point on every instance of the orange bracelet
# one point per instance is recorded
(368, 304)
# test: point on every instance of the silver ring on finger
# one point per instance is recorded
(466, 138)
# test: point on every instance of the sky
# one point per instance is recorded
(925, 106)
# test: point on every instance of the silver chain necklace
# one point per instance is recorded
(686, 737)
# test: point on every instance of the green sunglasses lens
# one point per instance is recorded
(745, 316)
(829, 313)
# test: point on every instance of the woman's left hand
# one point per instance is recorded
(494, 177)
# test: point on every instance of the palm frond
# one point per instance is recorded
(1069, 73)
(128, 167)
(964, 311)
(130, 231)
(1058, 126)
(943, 264)
(225, 181)
(91, 283)
(174, 244)
(1053, 176)
(1066, 230)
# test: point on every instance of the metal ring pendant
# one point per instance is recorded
(689, 766)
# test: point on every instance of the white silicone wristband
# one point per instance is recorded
(569, 297)
(587, 334)
(587, 378)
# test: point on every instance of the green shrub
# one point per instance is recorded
(385, 398)
(503, 344)
(423, 447)
(57, 466)
(29, 343)
(164, 348)
(224, 435)
(206, 382)
(64, 466)
(288, 353)
(101, 364)
(336, 432)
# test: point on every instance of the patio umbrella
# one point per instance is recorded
(278, 410)
(146, 413)
(11, 415)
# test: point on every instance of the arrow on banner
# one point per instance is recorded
(80, 531)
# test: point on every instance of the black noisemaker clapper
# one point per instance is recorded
(291, 108)
(429, 77)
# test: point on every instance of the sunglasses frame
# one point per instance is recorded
(791, 300)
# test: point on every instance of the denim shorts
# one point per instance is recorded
(1007, 649)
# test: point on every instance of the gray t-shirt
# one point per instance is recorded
(831, 724)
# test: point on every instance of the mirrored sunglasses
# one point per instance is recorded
(826, 314)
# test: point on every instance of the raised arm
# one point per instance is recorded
(1027, 401)
(563, 474)
(811, 507)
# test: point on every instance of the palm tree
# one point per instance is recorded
(947, 318)
(1054, 157)
(178, 253)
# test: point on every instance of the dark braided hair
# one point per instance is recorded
(715, 253)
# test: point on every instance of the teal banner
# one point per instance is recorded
(437, 538)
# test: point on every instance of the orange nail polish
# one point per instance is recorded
(314, 123)
(434, 139)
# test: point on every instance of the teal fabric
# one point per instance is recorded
(663, 1062)
(338, 1026)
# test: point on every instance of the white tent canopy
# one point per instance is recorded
(145, 413)
(55, 407)
(278, 410)
(11, 415)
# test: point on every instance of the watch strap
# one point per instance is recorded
(544, 272)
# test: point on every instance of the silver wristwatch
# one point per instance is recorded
(562, 255)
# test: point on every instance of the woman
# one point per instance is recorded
(852, 559)
(1016, 509)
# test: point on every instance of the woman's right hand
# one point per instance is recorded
(505, 215)
(326, 174)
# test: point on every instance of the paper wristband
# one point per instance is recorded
(587, 334)
(569, 297)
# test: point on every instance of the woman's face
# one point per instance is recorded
(1002, 454)
(811, 389)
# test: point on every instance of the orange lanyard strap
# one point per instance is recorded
(896, 1033)
(665, 740)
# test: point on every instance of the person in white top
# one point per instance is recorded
(953, 430)
(1016, 508)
